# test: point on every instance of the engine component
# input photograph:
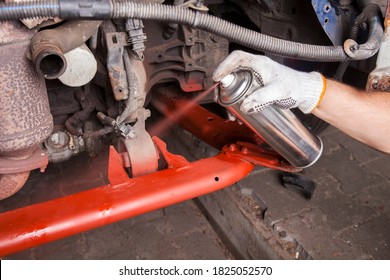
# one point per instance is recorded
(334, 19)
(81, 67)
(379, 78)
(25, 120)
(279, 128)
(116, 42)
(89, 102)
(49, 46)
(136, 77)
(14, 171)
(142, 156)
(137, 37)
(373, 14)
(38, 160)
(126, 74)
(62, 146)
(189, 57)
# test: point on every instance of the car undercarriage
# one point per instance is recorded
(84, 76)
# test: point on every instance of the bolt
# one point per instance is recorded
(374, 84)
(199, 3)
(232, 148)
(353, 47)
(189, 41)
(147, 114)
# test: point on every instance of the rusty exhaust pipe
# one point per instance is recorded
(49, 46)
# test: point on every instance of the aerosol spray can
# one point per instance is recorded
(281, 129)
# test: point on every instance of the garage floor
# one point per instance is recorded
(348, 216)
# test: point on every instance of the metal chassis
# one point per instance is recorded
(126, 197)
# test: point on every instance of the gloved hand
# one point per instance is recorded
(280, 86)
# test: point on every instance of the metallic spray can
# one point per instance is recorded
(281, 129)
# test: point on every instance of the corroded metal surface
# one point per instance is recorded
(8, 34)
(25, 119)
(116, 41)
(189, 56)
(49, 46)
(379, 78)
(39, 159)
(24, 113)
(11, 183)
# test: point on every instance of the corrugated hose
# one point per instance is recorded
(105, 9)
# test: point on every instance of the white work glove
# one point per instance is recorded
(280, 86)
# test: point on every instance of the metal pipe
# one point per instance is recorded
(123, 198)
(49, 46)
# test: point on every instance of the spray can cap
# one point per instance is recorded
(233, 87)
(227, 80)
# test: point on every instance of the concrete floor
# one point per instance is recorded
(348, 216)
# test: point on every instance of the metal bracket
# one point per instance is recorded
(116, 41)
(126, 130)
(141, 152)
(333, 20)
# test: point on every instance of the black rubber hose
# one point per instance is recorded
(195, 19)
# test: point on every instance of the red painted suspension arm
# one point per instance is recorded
(123, 198)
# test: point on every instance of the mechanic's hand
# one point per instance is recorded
(281, 86)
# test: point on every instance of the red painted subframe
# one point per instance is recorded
(123, 198)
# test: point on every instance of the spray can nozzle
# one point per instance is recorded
(227, 80)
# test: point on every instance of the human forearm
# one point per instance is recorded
(363, 116)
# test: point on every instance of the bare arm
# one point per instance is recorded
(363, 116)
